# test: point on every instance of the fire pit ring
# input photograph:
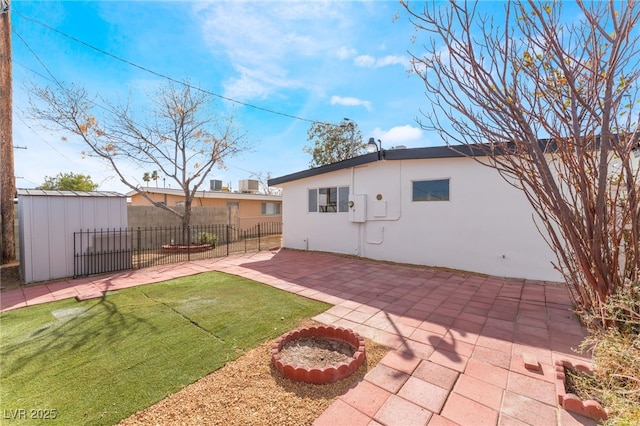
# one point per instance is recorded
(315, 374)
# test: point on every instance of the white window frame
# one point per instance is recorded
(317, 199)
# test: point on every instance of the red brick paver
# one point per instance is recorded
(457, 340)
(465, 411)
(366, 397)
(399, 412)
(424, 394)
(387, 378)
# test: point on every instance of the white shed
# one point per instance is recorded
(47, 221)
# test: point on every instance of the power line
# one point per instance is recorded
(43, 139)
(73, 162)
(36, 56)
(54, 80)
(158, 74)
(31, 69)
(94, 103)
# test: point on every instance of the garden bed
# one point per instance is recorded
(183, 248)
(567, 397)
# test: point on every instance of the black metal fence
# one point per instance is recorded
(110, 250)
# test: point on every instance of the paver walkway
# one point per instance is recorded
(457, 340)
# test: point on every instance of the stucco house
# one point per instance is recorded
(252, 208)
(426, 206)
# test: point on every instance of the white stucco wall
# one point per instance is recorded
(486, 226)
(47, 224)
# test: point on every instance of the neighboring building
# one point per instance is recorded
(251, 208)
(426, 206)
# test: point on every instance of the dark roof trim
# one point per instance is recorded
(449, 151)
(391, 154)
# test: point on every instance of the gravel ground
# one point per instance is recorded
(250, 391)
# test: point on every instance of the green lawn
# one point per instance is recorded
(99, 361)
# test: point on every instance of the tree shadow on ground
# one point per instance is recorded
(73, 329)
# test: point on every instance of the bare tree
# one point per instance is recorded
(263, 181)
(179, 134)
(333, 143)
(501, 86)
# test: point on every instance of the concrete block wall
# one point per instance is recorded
(150, 216)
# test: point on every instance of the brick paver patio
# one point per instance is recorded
(458, 341)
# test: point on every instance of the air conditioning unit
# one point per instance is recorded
(216, 185)
(249, 186)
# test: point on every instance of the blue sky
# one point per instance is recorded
(312, 59)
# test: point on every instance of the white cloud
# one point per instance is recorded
(399, 135)
(347, 101)
(368, 61)
(256, 83)
(391, 60)
(244, 87)
(265, 43)
(345, 52)
(365, 61)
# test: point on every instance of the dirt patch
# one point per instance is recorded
(10, 276)
(250, 391)
(316, 352)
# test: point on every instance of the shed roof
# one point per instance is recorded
(56, 193)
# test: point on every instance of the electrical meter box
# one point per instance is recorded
(357, 208)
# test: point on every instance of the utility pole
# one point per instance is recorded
(7, 180)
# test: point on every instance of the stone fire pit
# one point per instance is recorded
(319, 354)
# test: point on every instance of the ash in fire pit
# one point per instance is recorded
(317, 352)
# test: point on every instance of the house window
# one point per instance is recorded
(270, 208)
(431, 190)
(329, 200)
